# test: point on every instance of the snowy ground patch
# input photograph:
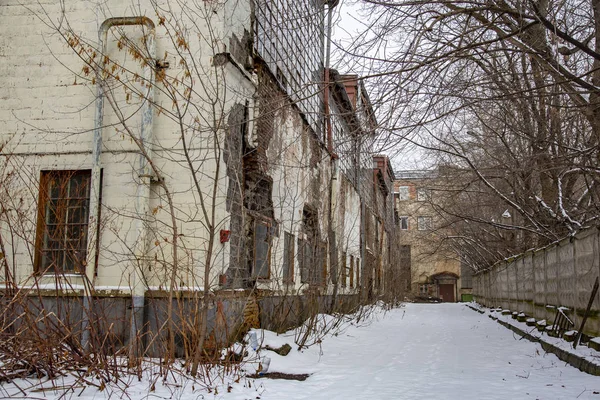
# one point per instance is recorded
(419, 351)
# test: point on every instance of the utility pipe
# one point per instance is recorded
(143, 188)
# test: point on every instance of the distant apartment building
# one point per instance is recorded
(435, 266)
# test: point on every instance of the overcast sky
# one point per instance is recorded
(347, 26)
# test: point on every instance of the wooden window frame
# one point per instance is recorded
(68, 248)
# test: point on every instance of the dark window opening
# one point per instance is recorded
(404, 223)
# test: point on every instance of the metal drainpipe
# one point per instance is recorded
(143, 189)
(327, 78)
(333, 257)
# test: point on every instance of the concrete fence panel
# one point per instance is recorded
(566, 275)
(538, 265)
(559, 275)
(527, 281)
(551, 276)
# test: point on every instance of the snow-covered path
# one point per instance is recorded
(427, 351)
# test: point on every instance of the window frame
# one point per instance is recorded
(66, 204)
(404, 218)
(427, 224)
(400, 193)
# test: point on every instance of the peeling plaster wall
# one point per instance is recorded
(288, 152)
(48, 115)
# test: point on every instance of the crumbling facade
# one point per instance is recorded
(204, 155)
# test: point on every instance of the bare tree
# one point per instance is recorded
(506, 93)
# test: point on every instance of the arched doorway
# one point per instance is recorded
(446, 285)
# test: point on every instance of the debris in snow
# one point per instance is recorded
(280, 375)
(569, 336)
(252, 340)
(282, 351)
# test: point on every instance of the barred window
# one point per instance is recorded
(62, 229)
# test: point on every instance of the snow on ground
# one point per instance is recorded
(419, 351)
(582, 351)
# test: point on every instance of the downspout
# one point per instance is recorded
(333, 254)
(142, 191)
(329, 135)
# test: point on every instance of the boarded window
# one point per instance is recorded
(262, 249)
(62, 230)
(288, 257)
(351, 271)
(358, 272)
(322, 279)
(305, 259)
(312, 261)
(344, 272)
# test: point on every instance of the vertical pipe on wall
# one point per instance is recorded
(143, 189)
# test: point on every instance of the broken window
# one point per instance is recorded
(62, 229)
(288, 257)
(262, 249)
